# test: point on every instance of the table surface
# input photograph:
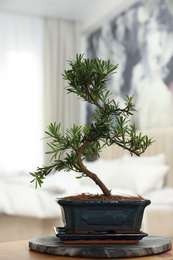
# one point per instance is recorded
(19, 250)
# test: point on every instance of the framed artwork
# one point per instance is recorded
(140, 40)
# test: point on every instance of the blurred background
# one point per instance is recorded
(37, 37)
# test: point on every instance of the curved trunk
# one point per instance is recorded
(90, 174)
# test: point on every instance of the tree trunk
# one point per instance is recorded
(90, 174)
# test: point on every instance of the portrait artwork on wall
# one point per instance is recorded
(140, 40)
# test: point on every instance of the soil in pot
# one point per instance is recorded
(88, 196)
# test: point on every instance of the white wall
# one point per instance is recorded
(105, 11)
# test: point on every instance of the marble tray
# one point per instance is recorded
(147, 246)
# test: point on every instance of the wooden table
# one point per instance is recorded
(19, 250)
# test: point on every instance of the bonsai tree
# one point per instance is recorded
(110, 123)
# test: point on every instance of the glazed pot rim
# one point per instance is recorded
(110, 202)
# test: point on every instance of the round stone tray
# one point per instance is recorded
(150, 245)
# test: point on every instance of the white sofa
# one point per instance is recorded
(26, 213)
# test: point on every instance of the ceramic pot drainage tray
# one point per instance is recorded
(97, 237)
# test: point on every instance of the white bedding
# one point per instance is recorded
(19, 197)
(162, 197)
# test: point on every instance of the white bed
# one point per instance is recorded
(26, 213)
(158, 219)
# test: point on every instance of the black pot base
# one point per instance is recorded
(97, 237)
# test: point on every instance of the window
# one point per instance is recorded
(21, 86)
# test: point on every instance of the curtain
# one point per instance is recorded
(21, 81)
(33, 55)
(61, 44)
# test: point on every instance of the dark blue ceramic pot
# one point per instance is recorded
(103, 215)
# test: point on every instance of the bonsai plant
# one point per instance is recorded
(110, 126)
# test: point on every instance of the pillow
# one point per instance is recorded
(159, 159)
(99, 167)
(140, 177)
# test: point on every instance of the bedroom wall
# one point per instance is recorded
(103, 13)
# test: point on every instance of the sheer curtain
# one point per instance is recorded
(21, 81)
(33, 55)
(62, 42)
